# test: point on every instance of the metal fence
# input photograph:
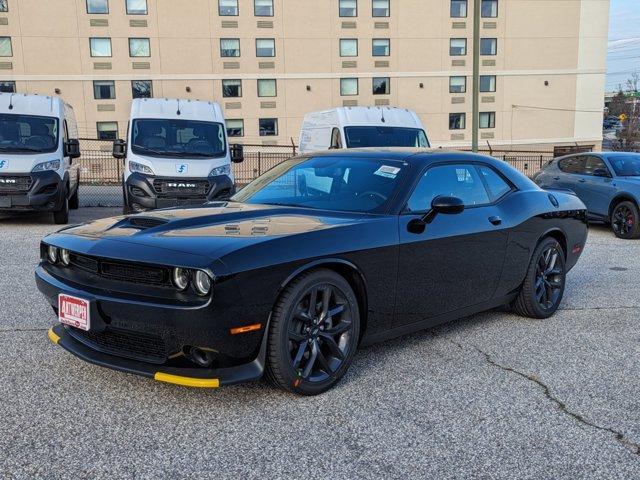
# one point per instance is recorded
(101, 174)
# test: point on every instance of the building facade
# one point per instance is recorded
(268, 62)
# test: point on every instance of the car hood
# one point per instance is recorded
(213, 229)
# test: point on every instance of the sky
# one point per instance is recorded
(623, 56)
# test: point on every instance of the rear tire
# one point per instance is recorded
(74, 201)
(543, 286)
(313, 333)
(61, 217)
(625, 220)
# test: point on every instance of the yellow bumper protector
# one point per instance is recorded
(187, 381)
(53, 337)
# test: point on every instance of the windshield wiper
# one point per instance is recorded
(149, 150)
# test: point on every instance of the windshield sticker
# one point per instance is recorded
(387, 171)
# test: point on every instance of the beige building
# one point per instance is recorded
(268, 62)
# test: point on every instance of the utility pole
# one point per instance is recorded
(475, 116)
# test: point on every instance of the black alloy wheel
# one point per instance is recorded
(314, 333)
(544, 284)
(625, 220)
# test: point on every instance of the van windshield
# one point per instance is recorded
(26, 134)
(178, 138)
(385, 137)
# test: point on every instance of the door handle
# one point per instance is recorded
(582, 180)
(556, 178)
(495, 220)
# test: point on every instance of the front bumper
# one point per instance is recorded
(40, 191)
(144, 192)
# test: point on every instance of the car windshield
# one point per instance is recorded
(626, 165)
(385, 137)
(334, 183)
(178, 138)
(28, 134)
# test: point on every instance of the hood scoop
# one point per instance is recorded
(143, 223)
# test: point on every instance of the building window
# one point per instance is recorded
(139, 47)
(267, 88)
(487, 83)
(488, 46)
(263, 8)
(265, 47)
(7, 87)
(487, 119)
(136, 7)
(142, 88)
(381, 86)
(4, 5)
(6, 50)
(458, 8)
(380, 8)
(348, 47)
(268, 127)
(457, 121)
(457, 84)
(235, 127)
(348, 86)
(107, 130)
(381, 47)
(231, 88)
(100, 47)
(458, 47)
(95, 7)
(104, 90)
(228, 8)
(489, 8)
(229, 47)
(348, 8)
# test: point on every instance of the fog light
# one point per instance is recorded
(65, 258)
(202, 283)
(52, 254)
(180, 278)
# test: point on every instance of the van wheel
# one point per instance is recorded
(61, 217)
(74, 201)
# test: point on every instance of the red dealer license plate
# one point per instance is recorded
(74, 311)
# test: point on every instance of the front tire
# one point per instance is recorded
(543, 286)
(625, 221)
(74, 201)
(313, 334)
(61, 217)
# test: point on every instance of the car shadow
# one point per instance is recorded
(46, 218)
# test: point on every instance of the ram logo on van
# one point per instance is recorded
(182, 168)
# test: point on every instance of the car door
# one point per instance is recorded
(456, 262)
(595, 185)
(569, 170)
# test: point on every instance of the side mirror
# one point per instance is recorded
(237, 153)
(119, 149)
(444, 206)
(601, 172)
(72, 148)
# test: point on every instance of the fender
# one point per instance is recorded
(318, 263)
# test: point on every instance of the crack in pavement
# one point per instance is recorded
(619, 436)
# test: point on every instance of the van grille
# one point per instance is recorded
(181, 188)
(15, 184)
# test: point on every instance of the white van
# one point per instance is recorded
(176, 153)
(38, 142)
(354, 127)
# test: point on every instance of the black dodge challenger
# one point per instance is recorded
(319, 255)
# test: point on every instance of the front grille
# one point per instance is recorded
(122, 271)
(15, 184)
(181, 188)
(123, 343)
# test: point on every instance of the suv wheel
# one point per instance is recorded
(625, 220)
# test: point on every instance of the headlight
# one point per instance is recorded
(65, 258)
(222, 170)
(52, 254)
(180, 278)
(46, 166)
(138, 167)
(202, 283)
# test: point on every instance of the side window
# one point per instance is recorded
(572, 164)
(497, 187)
(462, 181)
(336, 140)
(592, 163)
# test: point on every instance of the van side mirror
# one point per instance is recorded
(237, 153)
(120, 149)
(72, 148)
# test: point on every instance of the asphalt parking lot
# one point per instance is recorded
(491, 396)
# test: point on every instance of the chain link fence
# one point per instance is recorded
(101, 174)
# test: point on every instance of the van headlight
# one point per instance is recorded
(138, 167)
(221, 170)
(202, 283)
(47, 166)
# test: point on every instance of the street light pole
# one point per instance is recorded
(475, 120)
